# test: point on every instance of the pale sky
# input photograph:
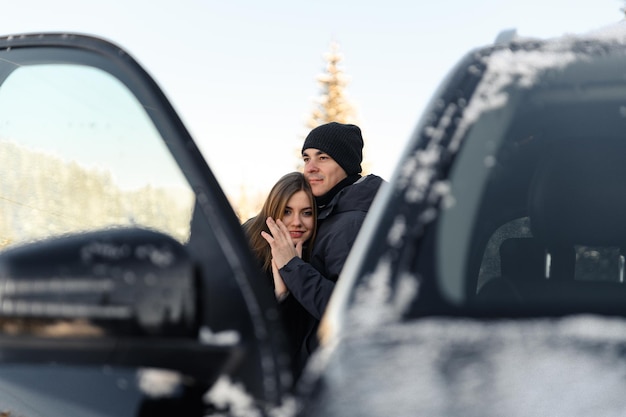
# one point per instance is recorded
(241, 74)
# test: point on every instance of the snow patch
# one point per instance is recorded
(224, 338)
(377, 302)
(232, 398)
(158, 382)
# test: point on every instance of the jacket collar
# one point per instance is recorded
(324, 200)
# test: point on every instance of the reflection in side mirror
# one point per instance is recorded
(125, 281)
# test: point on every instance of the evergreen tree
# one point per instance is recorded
(332, 105)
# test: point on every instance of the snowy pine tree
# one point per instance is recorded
(332, 105)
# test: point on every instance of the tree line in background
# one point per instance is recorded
(42, 195)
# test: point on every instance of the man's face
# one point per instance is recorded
(321, 171)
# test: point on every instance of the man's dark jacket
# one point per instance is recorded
(338, 225)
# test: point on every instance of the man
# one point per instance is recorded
(332, 155)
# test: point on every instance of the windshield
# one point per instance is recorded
(539, 184)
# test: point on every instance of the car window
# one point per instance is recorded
(538, 186)
(79, 153)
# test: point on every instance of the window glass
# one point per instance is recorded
(537, 188)
(78, 153)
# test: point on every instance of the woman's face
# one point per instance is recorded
(298, 217)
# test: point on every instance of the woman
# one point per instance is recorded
(290, 200)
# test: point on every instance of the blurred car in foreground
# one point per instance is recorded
(488, 279)
(126, 284)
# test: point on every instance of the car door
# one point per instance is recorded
(126, 284)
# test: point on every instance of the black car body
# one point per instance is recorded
(487, 280)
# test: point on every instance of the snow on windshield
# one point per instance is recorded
(521, 68)
(506, 68)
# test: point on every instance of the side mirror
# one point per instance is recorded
(119, 281)
(124, 297)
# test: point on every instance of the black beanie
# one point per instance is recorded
(343, 142)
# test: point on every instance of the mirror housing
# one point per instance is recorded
(118, 281)
(118, 297)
